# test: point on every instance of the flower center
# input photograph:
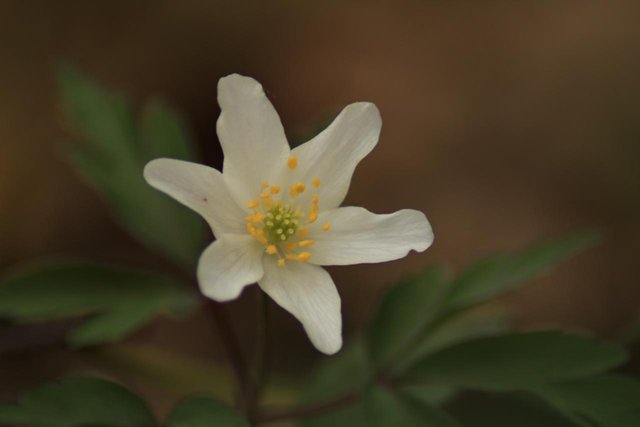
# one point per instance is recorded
(282, 227)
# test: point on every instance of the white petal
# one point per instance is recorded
(200, 188)
(358, 236)
(228, 265)
(333, 154)
(252, 138)
(307, 292)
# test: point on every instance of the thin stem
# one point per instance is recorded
(307, 411)
(263, 356)
(233, 351)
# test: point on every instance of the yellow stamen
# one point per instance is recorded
(253, 204)
(305, 243)
(275, 189)
(281, 262)
(326, 227)
(315, 182)
(303, 232)
(312, 217)
(265, 195)
(291, 246)
(292, 162)
(297, 188)
(304, 256)
(264, 184)
(315, 199)
(271, 249)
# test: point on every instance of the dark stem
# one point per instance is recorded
(263, 355)
(233, 351)
(307, 411)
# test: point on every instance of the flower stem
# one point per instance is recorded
(234, 353)
(307, 411)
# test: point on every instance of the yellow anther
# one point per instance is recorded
(326, 227)
(305, 243)
(291, 246)
(292, 162)
(253, 204)
(303, 232)
(256, 217)
(312, 217)
(281, 262)
(268, 203)
(292, 257)
(265, 195)
(271, 249)
(297, 188)
(264, 185)
(304, 256)
(275, 189)
(315, 182)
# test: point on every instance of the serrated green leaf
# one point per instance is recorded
(606, 401)
(119, 299)
(517, 361)
(111, 155)
(384, 408)
(204, 412)
(78, 402)
(405, 312)
(346, 372)
(500, 273)
(474, 409)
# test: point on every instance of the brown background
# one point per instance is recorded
(505, 122)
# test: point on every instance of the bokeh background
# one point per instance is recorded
(505, 122)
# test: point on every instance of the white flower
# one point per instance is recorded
(274, 210)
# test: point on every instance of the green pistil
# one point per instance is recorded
(280, 223)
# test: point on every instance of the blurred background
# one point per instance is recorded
(505, 122)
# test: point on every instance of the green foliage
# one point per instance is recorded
(78, 402)
(347, 372)
(517, 361)
(204, 412)
(383, 408)
(111, 155)
(405, 312)
(499, 273)
(119, 299)
(606, 401)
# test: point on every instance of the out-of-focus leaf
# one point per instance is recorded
(517, 361)
(120, 299)
(386, 409)
(347, 372)
(606, 401)
(204, 412)
(405, 312)
(111, 156)
(474, 409)
(457, 327)
(78, 402)
(500, 273)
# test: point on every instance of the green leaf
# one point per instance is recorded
(78, 402)
(405, 312)
(457, 327)
(112, 153)
(204, 412)
(517, 361)
(120, 299)
(606, 401)
(347, 372)
(474, 409)
(386, 409)
(500, 273)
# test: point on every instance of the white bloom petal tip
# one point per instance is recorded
(228, 265)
